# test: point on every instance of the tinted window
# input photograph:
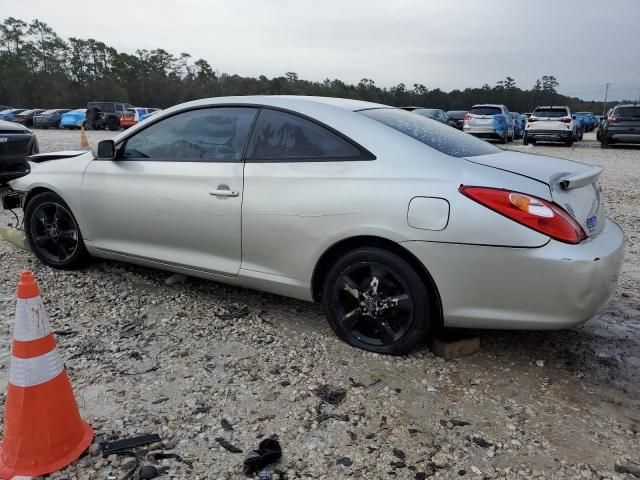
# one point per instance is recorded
(456, 113)
(429, 113)
(485, 111)
(550, 112)
(629, 112)
(206, 135)
(436, 135)
(281, 136)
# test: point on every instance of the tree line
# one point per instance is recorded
(38, 68)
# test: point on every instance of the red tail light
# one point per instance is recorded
(532, 119)
(533, 212)
(612, 119)
(565, 119)
(468, 116)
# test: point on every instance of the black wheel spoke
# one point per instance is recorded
(350, 319)
(401, 302)
(378, 275)
(347, 284)
(386, 332)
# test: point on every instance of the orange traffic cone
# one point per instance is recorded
(84, 141)
(43, 431)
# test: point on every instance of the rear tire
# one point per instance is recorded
(568, 143)
(53, 233)
(376, 301)
(525, 139)
(113, 124)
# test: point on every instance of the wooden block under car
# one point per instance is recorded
(454, 345)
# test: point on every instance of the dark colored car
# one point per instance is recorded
(458, 117)
(16, 144)
(622, 125)
(8, 115)
(26, 118)
(49, 118)
(434, 114)
(105, 114)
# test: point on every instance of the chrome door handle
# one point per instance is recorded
(224, 193)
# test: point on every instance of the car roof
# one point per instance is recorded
(497, 105)
(292, 102)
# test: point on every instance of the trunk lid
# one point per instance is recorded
(572, 185)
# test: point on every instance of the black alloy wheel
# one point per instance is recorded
(376, 301)
(53, 233)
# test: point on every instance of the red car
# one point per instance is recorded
(132, 116)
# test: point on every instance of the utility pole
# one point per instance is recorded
(606, 93)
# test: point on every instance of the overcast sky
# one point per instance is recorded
(440, 43)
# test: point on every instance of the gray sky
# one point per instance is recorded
(440, 43)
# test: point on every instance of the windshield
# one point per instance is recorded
(434, 134)
(485, 111)
(551, 112)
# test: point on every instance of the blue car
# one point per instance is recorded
(150, 111)
(8, 115)
(73, 119)
(579, 126)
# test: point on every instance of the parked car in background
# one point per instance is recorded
(26, 117)
(17, 142)
(432, 113)
(9, 114)
(388, 216)
(74, 119)
(621, 126)
(489, 121)
(550, 124)
(150, 112)
(458, 117)
(519, 122)
(579, 127)
(601, 123)
(589, 120)
(134, 115)
(102, 115)
(49, 118)
(5, 107)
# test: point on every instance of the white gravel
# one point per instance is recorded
(529, 405)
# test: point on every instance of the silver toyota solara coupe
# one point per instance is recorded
(395, 222)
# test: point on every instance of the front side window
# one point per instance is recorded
(434, 134)
(280, 136)
(204, 135)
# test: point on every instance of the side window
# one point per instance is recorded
(107, 107)
(204, 135)
(280, 136)
(118, 107)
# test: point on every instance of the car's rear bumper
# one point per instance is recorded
(623, 135)
(554, 286)
(482, 132)
(550, 135)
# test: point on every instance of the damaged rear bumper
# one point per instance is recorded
(550, 287)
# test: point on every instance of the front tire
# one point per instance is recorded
(376, 301)
(53, 233)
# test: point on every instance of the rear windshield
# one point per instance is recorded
(551, 112)
(629, 112)
(426, 112)
(485, 111)
(456, 113)
(436, 135)
(28, 112)
(49, 112)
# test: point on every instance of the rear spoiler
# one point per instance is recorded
(568, 181)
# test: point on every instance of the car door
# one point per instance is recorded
(174, 192)
(298, 189)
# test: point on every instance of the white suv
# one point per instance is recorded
(550, 124)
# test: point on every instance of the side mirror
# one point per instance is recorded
(573, 116)
(106, 150)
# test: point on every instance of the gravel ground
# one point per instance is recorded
(197, 361)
